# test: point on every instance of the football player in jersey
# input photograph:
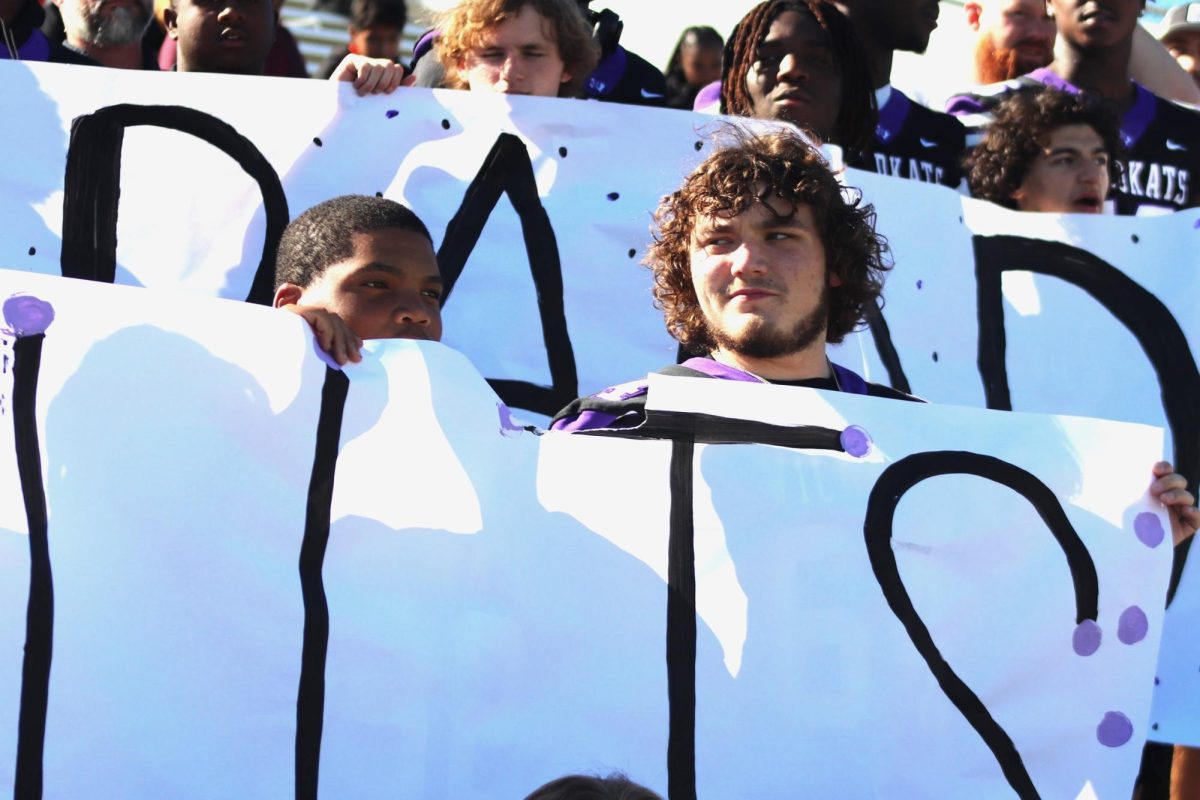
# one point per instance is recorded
(910, 141)
(1092, 54)
(1048, 151)
(798, 61)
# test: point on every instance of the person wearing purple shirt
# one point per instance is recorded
(1092, 54)
(748, 270)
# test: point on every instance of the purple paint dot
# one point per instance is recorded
(1132, 625)
(391, 113)
(855, 441)
(920, 284)
(1114, 730)
(507, 424)
(1086, 638)
(26, 315)
(1148, 528)
(1196, 225)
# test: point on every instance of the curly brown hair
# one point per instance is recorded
(462, 26)
(752, 169)
(1020, 131)
(855, 127)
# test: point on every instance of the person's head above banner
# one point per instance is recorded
(1049, 151)
(535, 47)
(359, 267)
(759, 259)
(797, 61)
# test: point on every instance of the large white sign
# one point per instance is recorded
(229, 570)
(540, 210)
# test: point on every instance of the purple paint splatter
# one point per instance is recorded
(1114, 730)
(920, 284)
(507, 424)
(855, 441)
(391, 113)
(1148, 528)
(26, 315)
(1133, 625)
(1086, 638)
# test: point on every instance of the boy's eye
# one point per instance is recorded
(375, 284)
(436, 294)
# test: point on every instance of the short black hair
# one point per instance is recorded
(322, 236)
(588, 787)
(368, 13)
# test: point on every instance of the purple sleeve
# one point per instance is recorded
(964, 104)
(587, 420)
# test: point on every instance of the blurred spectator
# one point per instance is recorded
(1048, 151)
(375, 28)
(109, 33)
(910, 141)
(283, 59)
(1015, 37)
(1181, 35)
(695, 63)
(1092, 54)
(536, 47)
(23, 40)
(798, 61)
(586, 787)
(235, 36)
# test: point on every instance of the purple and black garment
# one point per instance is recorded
(914, 142)
(32, 45)
(624, 405)
(1161, 138)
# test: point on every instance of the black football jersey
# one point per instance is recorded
(1162, 142)
(915, 142)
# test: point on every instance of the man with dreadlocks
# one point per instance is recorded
(758, 261)
(910, 141)
(798, 61)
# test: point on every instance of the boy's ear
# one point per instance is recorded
(288, 294)
(171, 20)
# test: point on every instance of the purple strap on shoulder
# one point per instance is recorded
(962, 104)
(588, 420)
(892, 116)
(36, 48)
(1043, 75)
(608, 74)
(1139, 116)
(716, 369)
(850, 382)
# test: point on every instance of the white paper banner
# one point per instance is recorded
(453, 606)
(984, 307)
